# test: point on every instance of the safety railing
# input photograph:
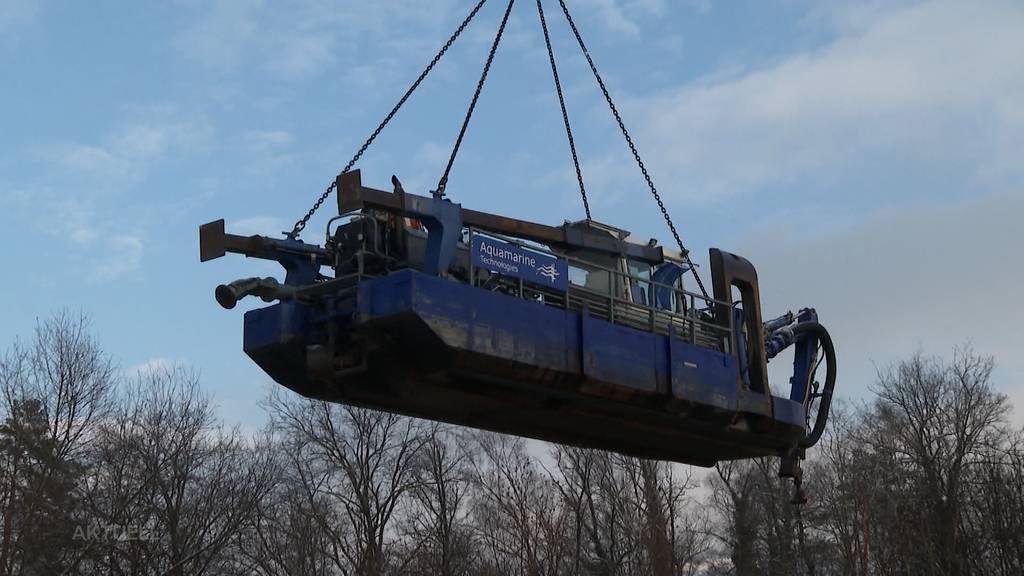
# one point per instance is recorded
(689, 316)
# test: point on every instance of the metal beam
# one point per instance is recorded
(352, 196)
(214, 243)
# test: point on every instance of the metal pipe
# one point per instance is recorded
(830, 379)
(268, 289)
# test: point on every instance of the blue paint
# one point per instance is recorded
(443, 221)
(623, 356)
(508, 328)
(666, 274)
(703, 377)
(475, 320)
(282, 322)
(510, 260)
(804, 356)
(545, 338)
(788, 411)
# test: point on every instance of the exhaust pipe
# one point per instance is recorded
(268, 289)
(228, 295)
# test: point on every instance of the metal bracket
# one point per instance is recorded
(301, 261)
(729, 270)
(442, 218)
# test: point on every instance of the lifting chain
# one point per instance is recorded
(443, 182)
(561, 102)
(301, 224)
(632, 148)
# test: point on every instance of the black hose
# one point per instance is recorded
(830, 379)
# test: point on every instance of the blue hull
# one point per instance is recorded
(425, 346)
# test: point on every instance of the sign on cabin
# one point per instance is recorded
(511, 260)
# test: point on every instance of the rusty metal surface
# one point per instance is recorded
(214, 242)
(211, 240)
(730, 271)
(352, 196)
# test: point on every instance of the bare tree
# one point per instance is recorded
(176, 487)
(287, 536)
(838, 507)
(630, 516)
(517, 514)
(930, 452)
(733, 497)
(927, 478)
(55, 390)
(361, 461)
(994, 514)
(947, 416)
(436, 523)
(655, 526)
(66, 371)
(688, 532)
(598, 493)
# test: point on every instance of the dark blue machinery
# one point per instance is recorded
(571, 334)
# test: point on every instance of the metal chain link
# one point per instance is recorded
(565, 113)
(443, 182)
(301, 224)
(633, 149)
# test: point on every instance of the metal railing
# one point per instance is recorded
(691, 319)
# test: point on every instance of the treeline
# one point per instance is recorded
(927, 478)
(102, 474)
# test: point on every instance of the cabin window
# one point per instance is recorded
(639, 281)
(594, 274)
(676, 300)
(578, 275)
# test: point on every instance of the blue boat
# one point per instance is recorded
(575, 334)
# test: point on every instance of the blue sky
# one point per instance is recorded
(865, 156)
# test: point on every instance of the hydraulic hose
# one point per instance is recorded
(827, 347)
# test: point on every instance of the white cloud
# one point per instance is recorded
(78, 220)
(121, 254)
(432, 154)
(83, 234)
(271, 149)
(262, 225)
(129, 152)
(66, 217)
(305, 38)
(267, 140)
(96, 160)
(96, 247)
(304, 55)
(931, 84)
(380, 18)
(149, 367)
(613, 13)
(221, 37)
(147, 141)
(83, 196)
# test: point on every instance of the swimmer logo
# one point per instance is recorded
(549, 271)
